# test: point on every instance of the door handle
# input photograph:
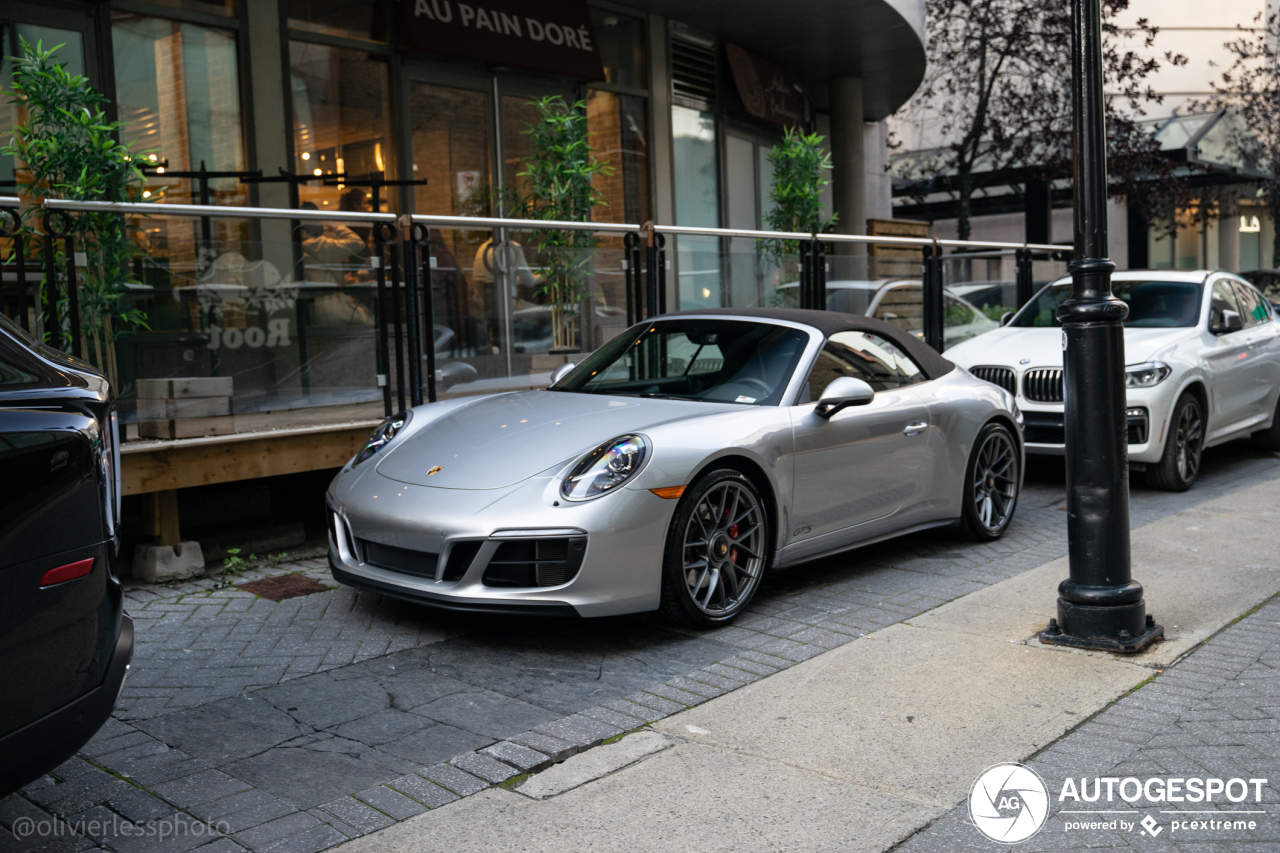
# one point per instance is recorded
(915, 428)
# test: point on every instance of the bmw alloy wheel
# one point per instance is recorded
(1187, 440)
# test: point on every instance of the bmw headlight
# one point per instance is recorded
(381, 436)
(1146, 375)
(605, 468)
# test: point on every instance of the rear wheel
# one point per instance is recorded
(717, 550)
(992, 485)
(1180, 463)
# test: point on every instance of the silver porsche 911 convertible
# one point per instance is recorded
(674, 467)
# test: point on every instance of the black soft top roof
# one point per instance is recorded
(830, 322)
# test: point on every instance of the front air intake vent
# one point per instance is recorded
(1043, 385)
(420, 564)
(693, 74)
(1002, 376)
(535, 562)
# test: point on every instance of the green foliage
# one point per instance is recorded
(233, 563)
(70, 150)
(800, 172)
(559, 185)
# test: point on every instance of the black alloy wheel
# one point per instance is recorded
(1183, 447)
(992, 485)
(718, 548)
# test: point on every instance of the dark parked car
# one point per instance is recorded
(65, 642)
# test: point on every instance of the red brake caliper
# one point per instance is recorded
(733, 534)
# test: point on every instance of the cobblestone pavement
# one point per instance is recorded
(1216, 713)
(295, 725)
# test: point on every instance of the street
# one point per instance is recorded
(299, 724)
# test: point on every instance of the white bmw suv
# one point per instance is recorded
(1202, 355)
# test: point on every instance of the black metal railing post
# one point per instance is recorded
(634, 277)
(932, 321)
(382, 233)
(818, 250)
(413, 322)
(52, 234)
(805, 284)
(1023, 277)
(397, 315)
(1100, 606)
(20, 264)
(428, 312)
(655, 276)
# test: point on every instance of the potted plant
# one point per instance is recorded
(70, 150)
(800, 173)
(559, 185)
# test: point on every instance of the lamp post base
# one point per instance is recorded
(1126, 629)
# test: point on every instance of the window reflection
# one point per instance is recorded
(72, 53)
(341, 123)
(361, 19)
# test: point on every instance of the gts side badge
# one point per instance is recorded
(802, 530)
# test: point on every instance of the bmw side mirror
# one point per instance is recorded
(1229, 322)
(841, 393)
(1005, 318)
(561, 372)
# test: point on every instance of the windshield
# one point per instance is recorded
(720, 361)
(1152, 304)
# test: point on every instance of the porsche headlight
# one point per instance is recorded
(1146, 375)
(381, 436)
(605, 468)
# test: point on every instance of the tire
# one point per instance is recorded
(1183, 447)
(718, 549)
(992, 483)
(1268, 439)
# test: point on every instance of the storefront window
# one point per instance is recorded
(697, 196)
(341, 123)
(178, 98)
(619, 134)
(620, 40)
(72, 53)
(209, 7)
(360, 19)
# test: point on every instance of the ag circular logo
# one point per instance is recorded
(1008, 803)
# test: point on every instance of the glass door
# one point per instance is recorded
(753, 276)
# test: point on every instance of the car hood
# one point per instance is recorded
(1042, 347)
(498, 441)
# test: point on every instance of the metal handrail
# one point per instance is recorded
(9, 201)
(488, 223)
(162, 209)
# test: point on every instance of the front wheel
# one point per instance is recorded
(717, 550)
(992, 486)
(1180, 462)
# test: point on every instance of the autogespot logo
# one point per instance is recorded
(1008, 803)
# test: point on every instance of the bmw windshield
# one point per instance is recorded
(714, 361)
(1152, 304)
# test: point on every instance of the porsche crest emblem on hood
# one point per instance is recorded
(435, 470)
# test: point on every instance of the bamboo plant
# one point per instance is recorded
(559, 185)
(801, 170)
(66, 148)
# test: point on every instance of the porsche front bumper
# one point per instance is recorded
(519, 549)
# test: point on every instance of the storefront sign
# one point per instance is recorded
(767, 91)
(547, 35)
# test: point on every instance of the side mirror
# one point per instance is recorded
(1229, 322)
(843, 392)
(560, 373)
(1005, 318)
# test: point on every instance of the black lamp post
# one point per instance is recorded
(1099, 606)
